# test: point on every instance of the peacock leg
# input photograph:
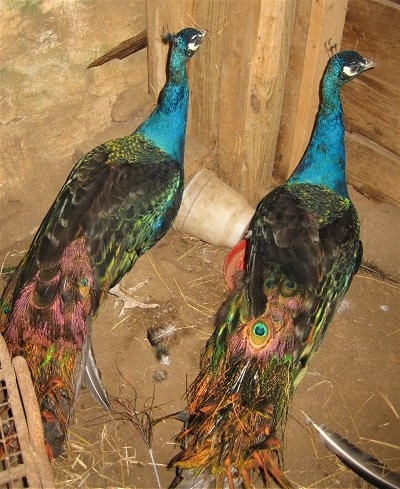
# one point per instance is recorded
(269, 467)
(130, 302)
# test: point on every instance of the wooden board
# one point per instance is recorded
(372, 101)
(372, 170)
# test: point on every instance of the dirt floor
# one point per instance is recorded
(351, 386)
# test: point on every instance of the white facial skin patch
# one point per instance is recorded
(350, 70)
(193, 46)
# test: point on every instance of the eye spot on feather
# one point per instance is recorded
(6, 309)
(270, 283)
(260, 329)
(258, 334)
(289, 288)
(83, 286)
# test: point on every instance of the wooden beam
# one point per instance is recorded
(267, 81)
(235, 64)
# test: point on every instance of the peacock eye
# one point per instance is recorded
(259, 334)
(84, 282)
(260, 329)
(270, 282)
(289, 288)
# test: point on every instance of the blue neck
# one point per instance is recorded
(166, 126)
(324, 162)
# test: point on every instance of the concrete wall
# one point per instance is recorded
(49, 102)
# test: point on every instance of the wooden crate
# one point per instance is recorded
(23, 457)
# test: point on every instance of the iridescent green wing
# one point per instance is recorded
(304, 248)
(122, 197)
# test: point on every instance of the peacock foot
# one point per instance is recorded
(130, 302)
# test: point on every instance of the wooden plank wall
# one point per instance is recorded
(372, 102)
(255, 86)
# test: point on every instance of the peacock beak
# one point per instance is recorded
(367, 64)
(200, 36)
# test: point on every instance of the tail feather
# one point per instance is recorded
(360, 462)
(239, 400)
(89, 373)
(47, 321)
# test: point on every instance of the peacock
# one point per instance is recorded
(302, 250)
(117, 202)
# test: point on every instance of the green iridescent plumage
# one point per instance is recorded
(302, 251)
(118, 201)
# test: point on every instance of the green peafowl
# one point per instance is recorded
(118, 201)
(302, 251)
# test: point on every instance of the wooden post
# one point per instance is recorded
(266, 88)
(242, 85)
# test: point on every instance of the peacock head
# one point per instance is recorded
(346, 65)
(186, 41)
